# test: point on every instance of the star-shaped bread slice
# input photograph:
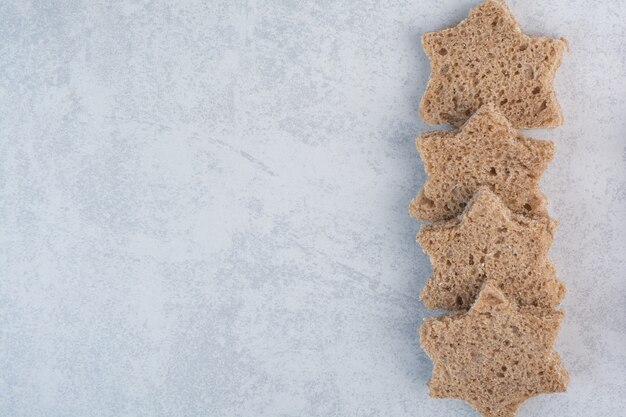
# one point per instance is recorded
(487, 58)
(487, 150)
(489, 242)
(496, 355)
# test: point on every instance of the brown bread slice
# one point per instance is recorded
(487, 58)
(496, 355)
(487, 150)
(488, 241)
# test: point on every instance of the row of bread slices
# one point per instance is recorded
(491, 233)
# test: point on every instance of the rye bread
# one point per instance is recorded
(487, 58)
(494, 356)
(489, 242)
(487, 150)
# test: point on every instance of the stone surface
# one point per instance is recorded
(203, 207)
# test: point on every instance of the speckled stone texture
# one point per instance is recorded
(203, 207)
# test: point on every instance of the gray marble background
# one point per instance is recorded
(203, 207)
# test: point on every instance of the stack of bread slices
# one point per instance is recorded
(489, 232)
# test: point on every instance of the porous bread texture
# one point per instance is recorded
(489, 242)
(487, 58)
(487, 150)
(496, 355)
